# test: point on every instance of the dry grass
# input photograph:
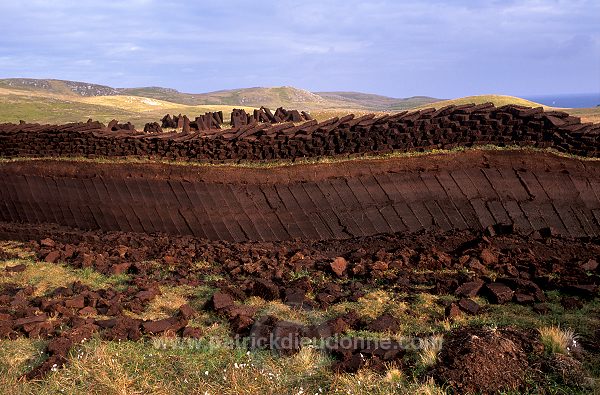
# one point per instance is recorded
(51, 107)
(429, 387)
(45, 277)
(557, 340)
(98, 367)
(373, 304)
(430, 348)
(167, 303)
(273, 164)
(586, 114)
(394, 376)
(392, 382)
(278, 309)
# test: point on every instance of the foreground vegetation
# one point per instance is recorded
(211, 365)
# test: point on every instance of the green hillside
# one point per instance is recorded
(376, 102)
(286, 96)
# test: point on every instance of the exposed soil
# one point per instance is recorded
(474, 190)
(474, 361)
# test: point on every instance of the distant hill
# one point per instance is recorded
(57, 101)
(59, 87)
(376, 102)
(498, 100)
(285, 96)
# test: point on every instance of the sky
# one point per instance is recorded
(396, 48)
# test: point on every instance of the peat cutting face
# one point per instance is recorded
(473, 190)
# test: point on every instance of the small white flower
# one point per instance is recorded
(206, 372)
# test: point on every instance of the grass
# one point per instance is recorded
(587, 114)
(45, 277)
(167, 303)
(101, 367)
(37, 107)
(274, 164)
(373, 304)
(430, 349)
(273, 97)
(557, 340)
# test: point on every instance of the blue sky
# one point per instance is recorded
(396, 48)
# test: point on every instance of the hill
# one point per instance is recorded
(376, 102)
(498, 100)
(58, 87)
(274, 97)
(586, 114)
(46, 107)
(285, 96)
(58, 101)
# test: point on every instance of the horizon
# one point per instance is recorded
(543, 95)
(438, 48)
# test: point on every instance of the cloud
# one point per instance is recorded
(400, 48)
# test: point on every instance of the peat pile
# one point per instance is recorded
(241, 118)
(445, 128)
(502, 268)
(69, 315)
(506, 268)
(473, 360)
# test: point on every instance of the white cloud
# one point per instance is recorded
(324, 44)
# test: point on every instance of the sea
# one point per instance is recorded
(579, 100)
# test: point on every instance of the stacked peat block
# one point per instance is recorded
(115, 126)
(283, 115)
(208, 121)
(251, 138)
(174, 122)
(240, 118)
(153, 127)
